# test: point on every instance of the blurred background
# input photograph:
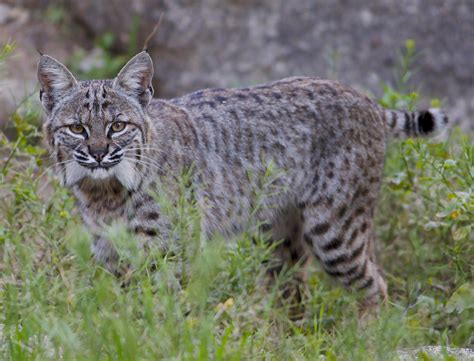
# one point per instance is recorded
(216, 43)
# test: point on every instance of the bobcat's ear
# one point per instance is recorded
(135, 78)
(55, 80)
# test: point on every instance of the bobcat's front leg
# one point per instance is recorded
(149, 225)
(106, 254)
(148, 228)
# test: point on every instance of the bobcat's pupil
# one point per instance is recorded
(77, 128)
(118, 126)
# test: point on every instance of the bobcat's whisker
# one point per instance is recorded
(136, 161)
(147, 158)
(145, 149)
(69, 161)
(51, 167)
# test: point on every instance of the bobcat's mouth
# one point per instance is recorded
(104, 166)
(122, 170)
(100, 172)
(97, 166)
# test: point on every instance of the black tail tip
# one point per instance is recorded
(431, 120)
(426, 122)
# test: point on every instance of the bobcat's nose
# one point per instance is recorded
(99, 152)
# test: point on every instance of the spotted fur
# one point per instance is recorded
(327, 140)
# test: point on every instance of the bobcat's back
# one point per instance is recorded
(327, 140)
(321, 135)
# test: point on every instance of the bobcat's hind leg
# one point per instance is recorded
(345, 250)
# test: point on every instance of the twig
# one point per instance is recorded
(153, 32)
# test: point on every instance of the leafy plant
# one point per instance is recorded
(429, 186)
(103, 62)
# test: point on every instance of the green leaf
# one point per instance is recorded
(449, 163)
(435, 103)
(462, 299)
(424, 356)
(410, 45)
(461, 233)
(431, 225)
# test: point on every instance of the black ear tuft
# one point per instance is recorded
(426, 122)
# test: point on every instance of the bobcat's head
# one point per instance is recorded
(97, 129)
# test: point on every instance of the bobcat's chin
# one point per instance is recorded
(124, 172)
(101, 172)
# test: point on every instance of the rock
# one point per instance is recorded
(29, 31)
(214, 43)
(221, 43)
(437, 353)
(9, 14)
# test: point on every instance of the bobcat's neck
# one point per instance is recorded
(101, 201)
(173, 137)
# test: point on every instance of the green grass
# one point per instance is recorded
(56, 302)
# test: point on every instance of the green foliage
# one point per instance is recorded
(55, 14)
(425, 224)
(210, 299)
(103, 62)
(427, 246)
(405, 68)
(398, 97)
(6, 50)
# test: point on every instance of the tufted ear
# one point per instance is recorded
(55, 81)
(135, 78)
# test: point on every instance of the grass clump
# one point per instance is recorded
(206, 300)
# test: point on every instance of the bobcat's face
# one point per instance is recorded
(97, 129)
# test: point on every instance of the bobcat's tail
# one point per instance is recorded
(403, 124)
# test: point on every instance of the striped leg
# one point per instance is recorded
(344, 249)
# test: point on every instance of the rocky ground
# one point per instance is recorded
(242, 42)
(436, 353)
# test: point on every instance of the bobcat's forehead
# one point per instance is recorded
(96, 96)
(95, 103)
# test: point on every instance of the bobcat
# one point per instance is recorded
(112, 141)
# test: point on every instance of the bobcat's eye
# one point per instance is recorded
(118, 127)
(76, 128)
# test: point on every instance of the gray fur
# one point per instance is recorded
(327, 140)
